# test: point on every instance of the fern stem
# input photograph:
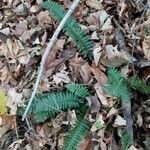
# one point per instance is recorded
(47, 50)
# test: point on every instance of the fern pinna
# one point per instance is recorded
(71, 28)
(74, 137)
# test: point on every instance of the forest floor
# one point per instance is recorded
(120, 32)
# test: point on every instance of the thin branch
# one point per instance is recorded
(47, 50)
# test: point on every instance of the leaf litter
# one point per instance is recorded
(120, 32)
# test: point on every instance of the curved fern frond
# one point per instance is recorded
(47, 105)
(71, 28)
(78, 90)
(116, 85)
(76, 134)
(139, 85)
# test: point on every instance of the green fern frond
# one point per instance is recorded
(116, 85)
(76, 134)
(139, 85)
(71, 28)
(78, 90)
(47, 105)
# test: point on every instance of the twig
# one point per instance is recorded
(47, 50)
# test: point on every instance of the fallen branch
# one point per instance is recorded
(47, 50)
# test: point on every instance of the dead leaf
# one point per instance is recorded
(16, 144)
(119, 121)
(61, 76)
(101, 95)
(13, 100)
(99, 75)
(97, 54)
(5, 75)
(96, 4)
(94, 104)
(99, 124)
(43, 17)
(112, 111)
(21, 27)
(146, 47)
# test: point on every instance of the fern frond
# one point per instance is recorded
(47, 105)
(78, 90)
(137, 84)
(76, 134)
(71, 28)
(116, 85)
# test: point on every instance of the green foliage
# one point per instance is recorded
(116, 85)
(71, 28)
(137, 84)
(76, 134)
(78, 90)
(47, 105)
(125, 140)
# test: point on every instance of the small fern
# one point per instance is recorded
(71, 28)
(137, 84)
(76, 134)
(116, 85)
(78, 90)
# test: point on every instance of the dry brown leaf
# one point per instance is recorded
(61, 76)
(93, 103)
(99, 75)
(43, 17)
(97, 54)
(5, 75)
(13, 100)
(101, 95)
(112, 111)
(96, 4)
(146, 47)
(21, 27)
(8, 120)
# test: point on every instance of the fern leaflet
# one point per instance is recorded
(78, 90)
(139, 85)
(116, 85)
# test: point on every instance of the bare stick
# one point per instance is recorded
(47, 50)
